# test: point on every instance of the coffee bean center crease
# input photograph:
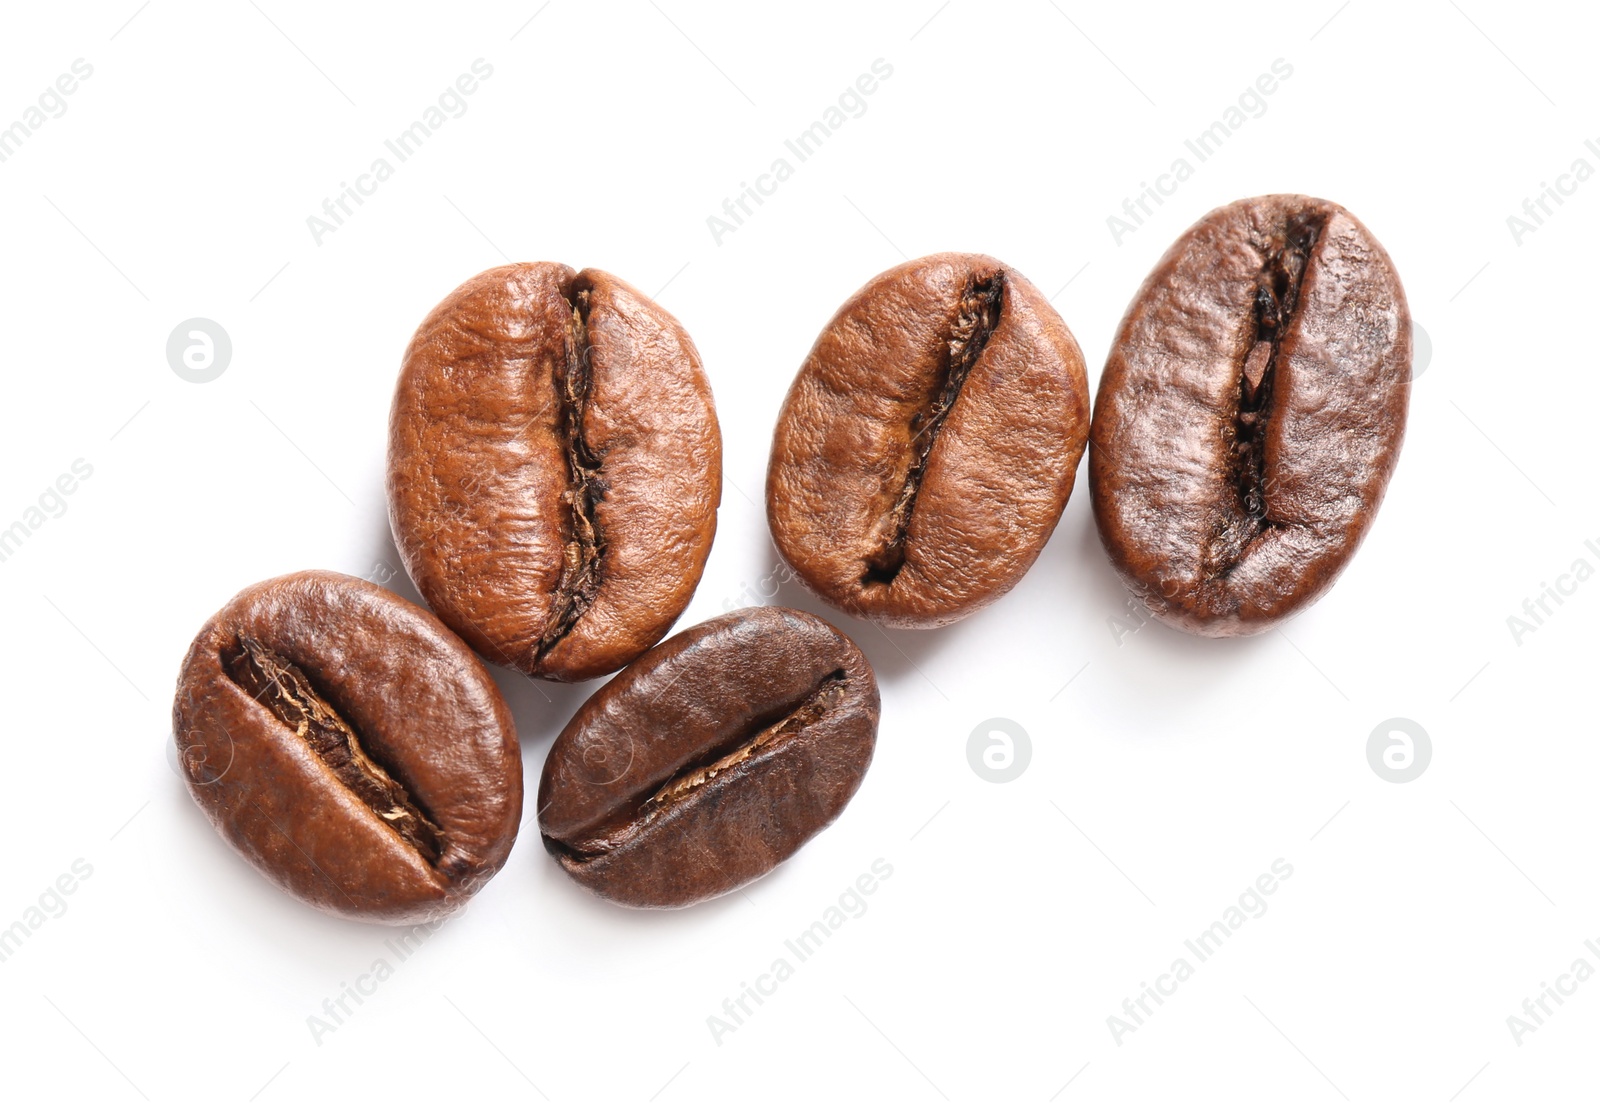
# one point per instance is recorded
(976, 319)
(585, 548)
(283, 689)
(1277, 298)
(727, 755)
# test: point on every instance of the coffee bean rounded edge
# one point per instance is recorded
(711, 759)
(350, 747)
(929, 443)
(1250, 414)
(555, 467)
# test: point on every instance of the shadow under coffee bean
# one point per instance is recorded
(1250, 414)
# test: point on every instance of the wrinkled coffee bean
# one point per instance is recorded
(1250, 414)
(350, 747)
(927, 448)
(711, 759)
(555, 467)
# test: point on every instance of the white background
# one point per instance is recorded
(1165, 778)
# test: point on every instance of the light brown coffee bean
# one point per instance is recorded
(555, 467)
(929, 444)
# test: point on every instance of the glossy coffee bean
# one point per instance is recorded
(711, 759)
(1251, 413)
(555, 467)
(350, 747)
(927, 448)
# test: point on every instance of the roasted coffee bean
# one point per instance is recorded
(711, 759)
(927, 448)
(350, 747)
(555, 467)
(1250, 414)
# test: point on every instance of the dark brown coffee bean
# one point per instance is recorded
(928, 445)
(350, 747)
(1250, 414)
(711, 759)
(555, 467)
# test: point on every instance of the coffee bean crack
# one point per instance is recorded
(1277, 297)
(585, 548)
(283, 689)
(976, 319)
(727, 755)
